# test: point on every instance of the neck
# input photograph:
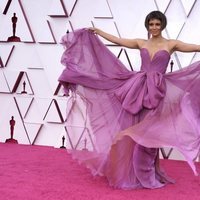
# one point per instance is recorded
(156, 38)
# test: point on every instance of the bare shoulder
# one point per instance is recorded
(141, 42)
(172, 43)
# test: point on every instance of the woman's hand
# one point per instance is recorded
(94, 30)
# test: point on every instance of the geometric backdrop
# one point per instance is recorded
(29, 69)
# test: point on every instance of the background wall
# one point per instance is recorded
(33, 65)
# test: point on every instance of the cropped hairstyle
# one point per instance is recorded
(156, 15)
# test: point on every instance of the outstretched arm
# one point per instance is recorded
(130, 43)
(185, 47)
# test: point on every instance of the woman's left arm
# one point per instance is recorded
(178, 45)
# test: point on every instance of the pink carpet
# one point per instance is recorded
(47, 173)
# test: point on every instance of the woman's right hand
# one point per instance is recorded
(94, 30)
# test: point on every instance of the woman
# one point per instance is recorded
(132, 114)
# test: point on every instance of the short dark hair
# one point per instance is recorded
(156, 15)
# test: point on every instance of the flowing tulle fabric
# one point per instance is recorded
(131, 114)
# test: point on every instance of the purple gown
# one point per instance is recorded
(131, 114)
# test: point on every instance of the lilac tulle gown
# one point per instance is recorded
(131, 114)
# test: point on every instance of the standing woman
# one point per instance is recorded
(132, 114)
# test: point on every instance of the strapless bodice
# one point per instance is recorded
(158, 62)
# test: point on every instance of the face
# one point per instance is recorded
(155, 27)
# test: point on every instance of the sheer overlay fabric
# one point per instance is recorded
(131, 114)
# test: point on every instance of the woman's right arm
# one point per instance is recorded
(130, 43)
